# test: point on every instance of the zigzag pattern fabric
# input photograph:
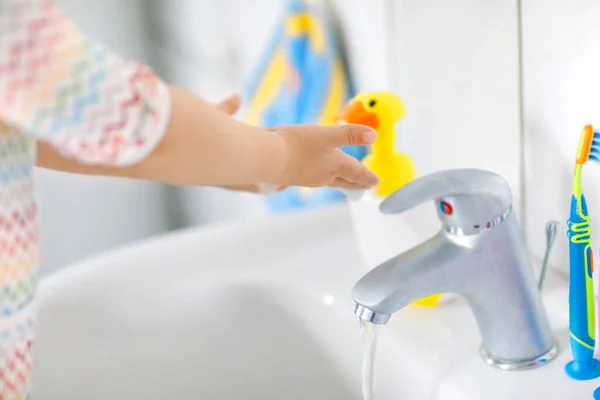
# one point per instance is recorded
(60, 86)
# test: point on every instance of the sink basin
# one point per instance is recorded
(260, 310)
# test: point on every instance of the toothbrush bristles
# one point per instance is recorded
(595, 148)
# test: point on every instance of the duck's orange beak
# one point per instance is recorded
(355, 113)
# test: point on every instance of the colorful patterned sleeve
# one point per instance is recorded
(59, 86)
(63, 87)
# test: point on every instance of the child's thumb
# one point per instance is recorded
(230, 105)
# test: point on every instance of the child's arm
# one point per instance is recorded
(101, 114)
(203, 145)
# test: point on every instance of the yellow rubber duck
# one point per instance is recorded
(380, 111)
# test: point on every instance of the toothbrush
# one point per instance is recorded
(582, 324)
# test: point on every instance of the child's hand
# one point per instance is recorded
(314, 155)
(316, 160)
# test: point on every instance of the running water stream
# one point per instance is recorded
(369, 334)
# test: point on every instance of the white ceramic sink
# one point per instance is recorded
(260, 310)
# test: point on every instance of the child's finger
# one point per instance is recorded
(344, 184)
(230, 105)
(353, 171)
(349, 135)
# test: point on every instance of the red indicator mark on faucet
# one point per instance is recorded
(446, 208)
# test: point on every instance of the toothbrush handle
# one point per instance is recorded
(582, 341)
(581, 300)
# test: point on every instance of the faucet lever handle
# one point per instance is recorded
(465, 196)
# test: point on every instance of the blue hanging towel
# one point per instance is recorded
(302, 79)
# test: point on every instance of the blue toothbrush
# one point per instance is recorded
(582, 321)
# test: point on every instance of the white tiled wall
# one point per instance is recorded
(561, 47)
(363, 25)
(458, 71)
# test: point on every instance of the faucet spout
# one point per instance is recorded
(490, 270)
(406, 278)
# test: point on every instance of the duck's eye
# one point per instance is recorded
(372, 103)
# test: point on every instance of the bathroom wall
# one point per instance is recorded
(365, 30)
(457, 67)
(561, 48)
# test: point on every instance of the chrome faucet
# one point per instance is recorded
(480, 254)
